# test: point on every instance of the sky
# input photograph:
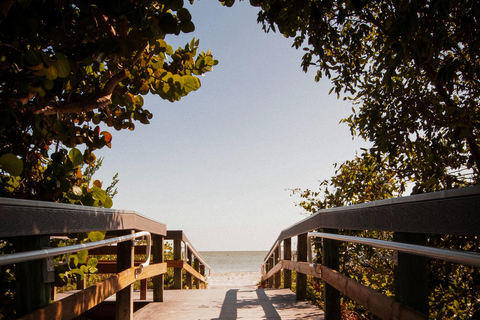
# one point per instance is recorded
(219, 164)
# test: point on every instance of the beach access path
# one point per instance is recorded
(232, 295)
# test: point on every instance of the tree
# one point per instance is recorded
(453, 287)
(360, 180)
(411, 67)
(67, 69)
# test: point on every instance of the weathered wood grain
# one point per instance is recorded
(76, 304)
(28, 217)
(381, 305)
(455, 212)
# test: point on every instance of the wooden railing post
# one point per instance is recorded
(31, 290)
(302, 256)
(143, 289)
(196, 266)
(411, 274)
(278, 276)
(331, 258)
(158, 257)
(202, 272)
(270, 267)
(177, 272)
(124, 298)
(188, 276)
(287, 255)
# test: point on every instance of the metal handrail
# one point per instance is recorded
(18, 257)
(461, 257)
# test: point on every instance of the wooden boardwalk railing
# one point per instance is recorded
(453, 212)
(30, 224)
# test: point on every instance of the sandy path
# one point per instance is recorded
(233, 279)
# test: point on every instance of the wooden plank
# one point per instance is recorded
(182, 264)
(110, 266)
(302, 255)
(303, 267)
(331, 259)
(174, 263)
(152, 270)
(29, 217)
(287, 255)
(381, 305)
(158, 257)
(273, 271)
(194, 272)
(78, 303)
(112, 250)
(445, 212)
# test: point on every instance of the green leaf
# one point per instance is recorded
(98, 194)
(78, 274)
(11, 164)
(75, 156)
(191, 83)
(51, 72)
(32, 58)
(138, 101)
(228, 3)
(108, 203)
(176, 4)
(92, 262)
(95, 236)
(184, 14)
(73, 260)
(63, 65)
(82, 256)
(48, 84)
(187, 26)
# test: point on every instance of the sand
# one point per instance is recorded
(234, 279)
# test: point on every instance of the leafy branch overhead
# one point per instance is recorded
(66, 68)
(411, 67)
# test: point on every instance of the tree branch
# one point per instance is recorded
(103, 99)
(87, 105)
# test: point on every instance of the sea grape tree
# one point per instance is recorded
(411, 67)
(66, 67)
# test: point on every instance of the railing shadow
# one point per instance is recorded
(230, 305)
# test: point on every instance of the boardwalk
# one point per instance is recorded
(226, 301)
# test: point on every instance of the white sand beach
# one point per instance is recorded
(233, 279)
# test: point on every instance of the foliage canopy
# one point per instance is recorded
(413, 69)
(66, 68)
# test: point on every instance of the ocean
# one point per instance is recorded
(234, 261)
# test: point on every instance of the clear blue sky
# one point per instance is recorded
(219, 163)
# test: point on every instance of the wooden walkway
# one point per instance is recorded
(229, 303)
